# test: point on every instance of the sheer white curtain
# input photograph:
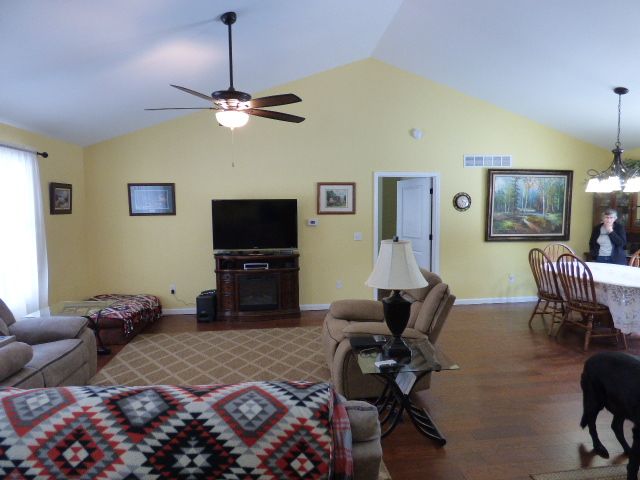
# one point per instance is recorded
(23, 250)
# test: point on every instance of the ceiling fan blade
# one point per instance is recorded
(182, 108)
(285, 117)
(193, 92)
(275, 100)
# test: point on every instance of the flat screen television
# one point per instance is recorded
(254, 224)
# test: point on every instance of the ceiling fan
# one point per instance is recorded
(232, 106)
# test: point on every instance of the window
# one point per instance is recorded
(23, 252)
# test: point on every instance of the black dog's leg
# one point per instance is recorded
(618, 429)
(634, 455)
(589, 419)
(598, 447)
(591, 406)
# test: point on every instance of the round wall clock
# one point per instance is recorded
(462, 201)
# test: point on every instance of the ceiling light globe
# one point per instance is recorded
(632, 185)
(232, 118)
(593, 186)
(613, 184)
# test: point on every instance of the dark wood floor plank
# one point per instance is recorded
(512, 409)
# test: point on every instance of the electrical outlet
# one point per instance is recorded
(339, 284)
(172, 289)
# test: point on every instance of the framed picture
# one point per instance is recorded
(529, 205)
(336, 198)
(152, 198)
(60, 198)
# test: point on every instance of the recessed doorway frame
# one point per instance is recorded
(435, 214)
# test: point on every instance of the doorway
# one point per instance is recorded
(408, 204)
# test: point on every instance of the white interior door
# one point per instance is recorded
(414, 217)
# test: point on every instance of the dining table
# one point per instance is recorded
(618, 287)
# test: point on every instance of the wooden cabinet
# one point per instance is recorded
(626, 204)
(628, 207)
(257, 285)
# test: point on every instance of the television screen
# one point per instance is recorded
(254, 224)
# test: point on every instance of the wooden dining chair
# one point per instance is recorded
(549, 297)
(554, 250)
(579, 294)
(634, 261)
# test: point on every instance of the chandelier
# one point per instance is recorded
(618, 176)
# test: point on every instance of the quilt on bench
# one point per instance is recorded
(266, 430)
(130, 312)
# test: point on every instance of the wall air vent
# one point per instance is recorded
(479, 160)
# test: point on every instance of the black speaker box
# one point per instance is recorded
(206, 306)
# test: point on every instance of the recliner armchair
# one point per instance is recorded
(430, 306)
(47, 352)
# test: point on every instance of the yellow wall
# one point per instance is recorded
(66, 235)
(358, 122)
(354, 127)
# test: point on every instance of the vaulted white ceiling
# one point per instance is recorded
(84, 70)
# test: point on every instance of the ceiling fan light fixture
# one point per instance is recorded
(232, 118)
(232, 106)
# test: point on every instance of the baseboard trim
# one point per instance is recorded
(192, 311)
(477, 301)
(315, 306)
(325, 306)
(179, 311)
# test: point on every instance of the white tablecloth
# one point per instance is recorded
(618, 287)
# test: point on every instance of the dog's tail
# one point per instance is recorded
(588, 398)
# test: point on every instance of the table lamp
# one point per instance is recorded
(396, 269)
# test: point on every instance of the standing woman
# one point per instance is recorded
(608, 240)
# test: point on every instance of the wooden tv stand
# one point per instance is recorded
(257, 285)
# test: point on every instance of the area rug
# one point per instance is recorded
(610, 472)
(200, 358)
(231, 356)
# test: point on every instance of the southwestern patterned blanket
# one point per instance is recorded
(131, 313)
(265, 430)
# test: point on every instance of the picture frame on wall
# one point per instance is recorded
(528, 205)
(337, 198)
(60, 198)
(152, 198)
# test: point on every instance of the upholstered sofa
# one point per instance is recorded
(46, 352)
(430, 306)
(266, 429)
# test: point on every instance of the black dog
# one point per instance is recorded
(611, 380)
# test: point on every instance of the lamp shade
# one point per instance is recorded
(232, 118)
(396, 267)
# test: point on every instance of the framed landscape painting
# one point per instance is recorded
(528, 204)
(337, 197)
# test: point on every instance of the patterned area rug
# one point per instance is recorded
(200, 358)
(611, 472)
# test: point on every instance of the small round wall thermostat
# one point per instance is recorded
(462, 201)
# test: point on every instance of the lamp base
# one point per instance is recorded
(397, 349)
(396, 316)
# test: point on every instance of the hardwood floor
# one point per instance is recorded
(512, 409)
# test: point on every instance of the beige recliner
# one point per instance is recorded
(46, 352)
(429, 309)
